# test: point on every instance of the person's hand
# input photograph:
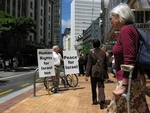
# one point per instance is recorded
(86, 78)
(122, 89)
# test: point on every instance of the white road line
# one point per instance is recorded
(16, 75)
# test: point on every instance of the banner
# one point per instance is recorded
(45, 62)
(71, 65)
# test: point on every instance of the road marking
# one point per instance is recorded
(7, 91)
(23, 85)
(38, 79)
(16, 75)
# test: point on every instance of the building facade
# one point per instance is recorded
(83, 12)
(66, 40)
(46, 13)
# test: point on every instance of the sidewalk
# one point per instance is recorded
(66, 101)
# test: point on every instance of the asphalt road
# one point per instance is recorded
(14, 83)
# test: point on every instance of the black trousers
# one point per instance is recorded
(97, 82)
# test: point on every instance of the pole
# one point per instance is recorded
(34, 85)
(128, 68)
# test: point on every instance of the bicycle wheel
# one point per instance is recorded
(45, 82)
(62, 80)
(70, 79)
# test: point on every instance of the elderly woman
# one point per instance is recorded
(125, 52)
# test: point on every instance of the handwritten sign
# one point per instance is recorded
(70, 62)
(45, 62)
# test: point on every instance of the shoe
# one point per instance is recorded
(120, 90)
(102, 103)
(54, 90)
(95, 103)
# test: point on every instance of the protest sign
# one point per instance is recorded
(45, 62)
(70, 62)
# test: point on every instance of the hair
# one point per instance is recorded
(126, 16)
(96, 43)
(54, 47)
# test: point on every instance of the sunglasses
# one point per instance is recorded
(110, 18)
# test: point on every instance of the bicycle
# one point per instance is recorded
(70, 80)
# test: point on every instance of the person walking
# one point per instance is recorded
(15, 64)
(96, 56)
(125, 52)
(57, 62)
(81, 65)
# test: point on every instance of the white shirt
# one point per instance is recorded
(113, 59)
(57, 57)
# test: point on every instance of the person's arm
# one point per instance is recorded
(88, 67)
(129, 40)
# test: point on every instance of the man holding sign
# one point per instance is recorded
(57, 62)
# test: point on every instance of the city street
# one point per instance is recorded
(11, 82)
(67, 100)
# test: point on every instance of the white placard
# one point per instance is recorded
(71, 65)
(45, 62)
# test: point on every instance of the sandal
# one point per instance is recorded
(120, 90)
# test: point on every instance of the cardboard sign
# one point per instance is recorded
(45, 62)
(71, 65)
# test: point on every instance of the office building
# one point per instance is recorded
(83, 12)
(46, 13)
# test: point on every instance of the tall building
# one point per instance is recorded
(46, 13)
(57, 21)
(83, 12)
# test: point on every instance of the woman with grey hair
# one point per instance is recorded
(125, 52)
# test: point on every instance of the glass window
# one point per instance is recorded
(41, 22)
(30, 14)
(41, 32)
(31, 5)
(139, 16)
(147, 16)
(41, 12)
(41, 2)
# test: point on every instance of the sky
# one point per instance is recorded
(66, 14)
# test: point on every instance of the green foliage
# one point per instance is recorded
(14, 31)
(86, 49)
(5, 15)
(17, 25)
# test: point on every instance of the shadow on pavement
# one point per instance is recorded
(3, 82)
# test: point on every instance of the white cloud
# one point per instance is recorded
(65, 24)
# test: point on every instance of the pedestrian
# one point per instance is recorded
(2, 63)
(7, 64)
(113, 66)
(125, 52)
(86, 59)
(57, 63)
(81, 65)
(15, 63)
(96, 80)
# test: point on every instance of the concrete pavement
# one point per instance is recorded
(66, 101)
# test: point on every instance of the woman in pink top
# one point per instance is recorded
(125, 52)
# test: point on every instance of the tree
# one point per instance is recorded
(14, 30)
(86, 49)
